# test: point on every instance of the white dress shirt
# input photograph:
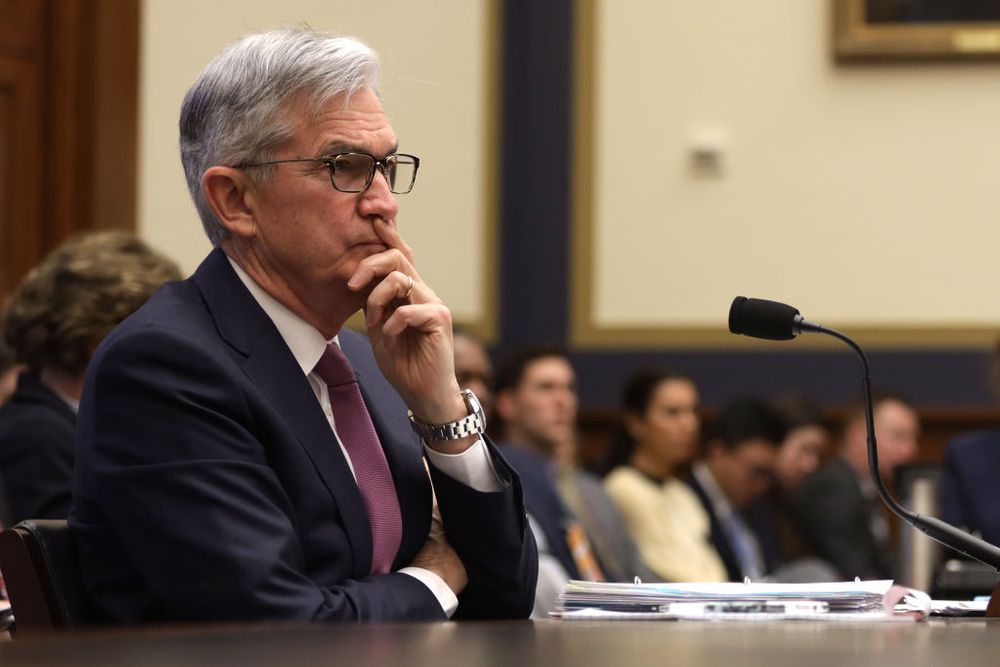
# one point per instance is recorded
(473, 467)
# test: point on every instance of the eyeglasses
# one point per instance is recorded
(353, 172)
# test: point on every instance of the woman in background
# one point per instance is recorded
(659, 438)
(806, 440)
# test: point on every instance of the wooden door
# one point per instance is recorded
(68, 95)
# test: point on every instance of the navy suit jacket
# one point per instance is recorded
(209, 485)
(836, 518)
(36, 453)
(757, 519)
(543, 502)
(969, 496)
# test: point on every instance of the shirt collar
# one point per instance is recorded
(715, 495)
(303, 339)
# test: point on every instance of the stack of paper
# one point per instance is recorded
(749, 601)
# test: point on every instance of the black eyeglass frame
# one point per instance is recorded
(331, 164)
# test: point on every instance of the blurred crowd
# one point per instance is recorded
(762, 488)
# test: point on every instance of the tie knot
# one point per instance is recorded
(334, 367)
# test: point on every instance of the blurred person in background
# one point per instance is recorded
(659, 438)
(968, 494)
(736, 470)
(474, 370)
(583, 534)
(838, 509)
(536, 402)
(806, 441)
(53, 322)
(9, 370)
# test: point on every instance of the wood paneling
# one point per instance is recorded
(21, 84)
(68, 94)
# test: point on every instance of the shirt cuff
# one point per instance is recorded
(473, 467)
(445, 596)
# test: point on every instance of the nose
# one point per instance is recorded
(377, 200)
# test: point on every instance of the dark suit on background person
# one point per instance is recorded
(759, 522)
(969, 496)
(543, 502)
(36, 452)
(209, 484)
(837, 519)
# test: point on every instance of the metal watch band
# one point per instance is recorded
(473, 424)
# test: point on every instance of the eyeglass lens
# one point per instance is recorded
(353, 172)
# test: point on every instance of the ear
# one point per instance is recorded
(228, 192)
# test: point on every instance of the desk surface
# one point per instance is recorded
(579, 643)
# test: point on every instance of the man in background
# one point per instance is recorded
(537, 403)
(838, 508)
(474, 370)
(736, 470)
(806, 440)
(53, 322)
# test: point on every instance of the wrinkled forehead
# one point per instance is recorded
(342, 123)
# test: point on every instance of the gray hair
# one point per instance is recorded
(232, 114)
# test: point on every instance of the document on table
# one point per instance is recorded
(952, 607)
(832, 601)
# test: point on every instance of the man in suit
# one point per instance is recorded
(241, 454)
(736, 470)
(838, 508)
(537, 403)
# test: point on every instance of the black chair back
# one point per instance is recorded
(39, 563)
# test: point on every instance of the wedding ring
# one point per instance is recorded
(409, 287)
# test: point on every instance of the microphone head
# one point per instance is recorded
(761, 318)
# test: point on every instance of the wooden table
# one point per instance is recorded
(952, 643)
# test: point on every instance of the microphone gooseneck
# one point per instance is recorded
(772, 320)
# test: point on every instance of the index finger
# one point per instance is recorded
(390, 236)
(380, 265)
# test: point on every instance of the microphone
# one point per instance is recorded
(771, 320)
(761, 318)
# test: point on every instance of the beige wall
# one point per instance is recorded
(866, 194)
(437, 72)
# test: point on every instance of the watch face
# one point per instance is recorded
(475, 407)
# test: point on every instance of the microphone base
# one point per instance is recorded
(993, 608)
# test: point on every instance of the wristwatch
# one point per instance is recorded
(473, 424)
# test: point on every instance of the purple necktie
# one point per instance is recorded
(356, 432)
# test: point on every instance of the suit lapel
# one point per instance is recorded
(718, 534)
(273, 370)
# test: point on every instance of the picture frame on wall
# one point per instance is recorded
(916, 29)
